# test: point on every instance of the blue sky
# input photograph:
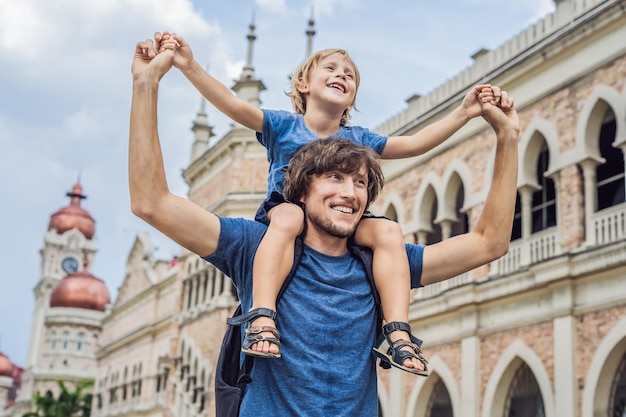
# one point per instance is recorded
(65, 95)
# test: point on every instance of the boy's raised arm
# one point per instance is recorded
(214, 91)
(490, 237)
(176, 217)
(436, 133)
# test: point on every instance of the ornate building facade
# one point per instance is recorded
(539, 332)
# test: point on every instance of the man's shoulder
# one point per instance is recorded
(239, 234)
(240, 226)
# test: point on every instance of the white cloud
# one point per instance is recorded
(274, 5)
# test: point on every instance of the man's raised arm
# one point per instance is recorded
(491, 236)
(178, 218)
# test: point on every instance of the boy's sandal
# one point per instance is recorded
(253, 333)
(392, 354)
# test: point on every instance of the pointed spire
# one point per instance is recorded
(310, 32)
(203, 131)
(248, 69)
(248, 87)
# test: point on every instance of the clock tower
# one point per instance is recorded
(69, 246)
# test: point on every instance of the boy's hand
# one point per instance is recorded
(473, 103)
(183, 56)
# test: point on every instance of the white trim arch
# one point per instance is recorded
(502, 377)
(393, 199)
(430, 190)
(595, 401)
(422, 390)
(456, 170)
(539, 130)
(591, 115)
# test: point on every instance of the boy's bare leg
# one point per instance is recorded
(272, 262)
(391, 273)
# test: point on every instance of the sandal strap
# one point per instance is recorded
(251, 315)
(396, 325)
(399, 325)
(254, 330)
(253, 335)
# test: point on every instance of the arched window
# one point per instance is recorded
(79, 341)
(618, 390)
(66, 339)
(516, 233)
(435, 236)
(609, 175)
(524, 398)
(544, 199)
(462, 225)
(440, 404)
(189, 283)
(205, 284)
(53, 340)
(391, 213)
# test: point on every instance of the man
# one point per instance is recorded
(327, 312)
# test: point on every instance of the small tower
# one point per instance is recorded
(203, 132)
(69, 247)
(248, 87)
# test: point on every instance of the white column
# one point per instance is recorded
(564, 353)
(589, 178)
(470, 364)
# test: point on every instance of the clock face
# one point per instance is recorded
(69, 265)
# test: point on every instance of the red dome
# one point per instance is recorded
(73, 216)
(80, 290)
(6, 367)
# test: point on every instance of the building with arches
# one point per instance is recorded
(539, 332)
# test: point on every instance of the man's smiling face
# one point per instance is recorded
(335, 202)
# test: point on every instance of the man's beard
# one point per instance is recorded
(329, 227)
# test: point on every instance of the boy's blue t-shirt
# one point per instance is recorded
(285, 132)
(327, 323)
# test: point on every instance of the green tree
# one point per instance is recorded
(76, 403)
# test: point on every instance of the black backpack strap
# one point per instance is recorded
(366, 256)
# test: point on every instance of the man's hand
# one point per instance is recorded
(502, 115)
(148, 64)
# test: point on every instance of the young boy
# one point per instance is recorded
(323, 91)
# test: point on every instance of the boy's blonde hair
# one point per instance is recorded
(303, 72)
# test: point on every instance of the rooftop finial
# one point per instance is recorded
(251, 38)
(310, 32)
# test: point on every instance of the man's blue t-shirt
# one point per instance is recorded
(285, 132)
(327, 323)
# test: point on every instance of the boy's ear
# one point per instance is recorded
(302, 86)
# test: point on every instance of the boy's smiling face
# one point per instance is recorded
(332, 82)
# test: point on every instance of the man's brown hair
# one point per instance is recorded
(327, 155)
